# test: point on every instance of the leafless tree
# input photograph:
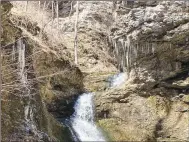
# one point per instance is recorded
(57, 14)
(76, 28)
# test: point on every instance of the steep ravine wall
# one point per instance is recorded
(150, 41)
(32, 79)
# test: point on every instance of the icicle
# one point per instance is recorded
(13, 53)
(121, 41)
(109, 39)
(127, 56)
(128, 68)
(26, 113)
(129, 47)
(113, 43)
(153, 48)
(135, 50)
(131, 54)
(124, 56)
(126, 63)
(121, 53)
(23, 63)
(148, 48)
(114, 46)
(145, 49)
(142, 49)
(21, 60)
(117, 53)
(128, 44)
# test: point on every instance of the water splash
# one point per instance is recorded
(83, 119)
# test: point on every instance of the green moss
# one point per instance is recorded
(52, 127)
(180, 38)
(161, 107)
(46, 94)
(13, 99)
(97, 81)
(11, 103)
(185, 98)
(9, 32)
(12, 114)
(113, 131)
(152, 101)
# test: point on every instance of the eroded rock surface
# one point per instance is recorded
(152, 105)
(148, 40)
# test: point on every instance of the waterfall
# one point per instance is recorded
(83, 119)
(118, 79)
(82, 123)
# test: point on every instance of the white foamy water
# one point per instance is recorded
(83, 119)
(118, 79)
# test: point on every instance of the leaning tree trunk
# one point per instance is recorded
(76, 26)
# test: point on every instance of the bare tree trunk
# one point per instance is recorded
(44, 5)
(39, 6)
(76, 26)
(71, 9)
(0, 69)
(43, 10)
(57, 15)
(52, 7)
(26, 6)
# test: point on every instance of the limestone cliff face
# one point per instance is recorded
(147, 40)
(150, 41)
(33, 79)
(93, 23)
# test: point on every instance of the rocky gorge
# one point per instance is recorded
(146, 40)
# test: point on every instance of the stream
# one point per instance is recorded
(82, 124)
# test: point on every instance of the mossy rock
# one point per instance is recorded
(9, 32)
(185, 98)
(159, 105)
(56, 130)
(180, 38)
(116, 130)
(111, 130)
(14, 100)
